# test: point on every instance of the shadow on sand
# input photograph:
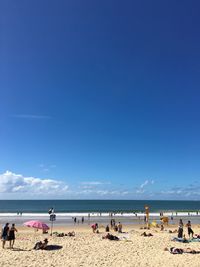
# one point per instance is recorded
(53, 247)
(20, 249)
(49, 247)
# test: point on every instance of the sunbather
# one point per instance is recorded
(110, 237)
(71, 233)
(145, 234)
(173, 231)
(183, 240)
(174, 250)
(41, 245)
(197, 236)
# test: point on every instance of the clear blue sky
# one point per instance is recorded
(100, 97)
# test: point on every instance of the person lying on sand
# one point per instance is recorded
(60, 234)
(196, 236)
(145, 227)
(173, 231)
(174, 250)
(183, 240)
(41, 245)
(71, 233)
(63, 234)
(110, 237)
(145, 234)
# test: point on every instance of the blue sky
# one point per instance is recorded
(100, 99)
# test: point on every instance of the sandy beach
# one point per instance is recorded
(89, 249)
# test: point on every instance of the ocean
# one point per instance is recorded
(95, 206)
(101, 211)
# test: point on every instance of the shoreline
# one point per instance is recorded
(102, 214)
(126, 220)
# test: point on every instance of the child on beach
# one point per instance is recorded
(95, 228)
(107, 228)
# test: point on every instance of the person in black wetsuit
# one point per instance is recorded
(11, 235)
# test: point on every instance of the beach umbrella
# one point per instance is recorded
(37, 225)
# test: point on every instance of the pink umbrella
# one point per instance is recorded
(37, 225)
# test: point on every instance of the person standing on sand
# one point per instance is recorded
(189, 227)
(82, 220)
(180, 229)
(111, 223)
(4, 234)
(119, 227)
(107, 228)
(11, 235)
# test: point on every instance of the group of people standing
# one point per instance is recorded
(189, 228)
(8, 234)
(116, 227)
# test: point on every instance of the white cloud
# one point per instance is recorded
(144, 184)
(147, 182)
(141, 188)
(17, 183)
(185, 192)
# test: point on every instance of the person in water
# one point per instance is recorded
(11, 235)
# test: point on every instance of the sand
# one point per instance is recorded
(89, 249)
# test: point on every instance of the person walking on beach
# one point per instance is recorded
(189, 227)
(75, 220)
(4, 234)
(82, 220)
(11, 235)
